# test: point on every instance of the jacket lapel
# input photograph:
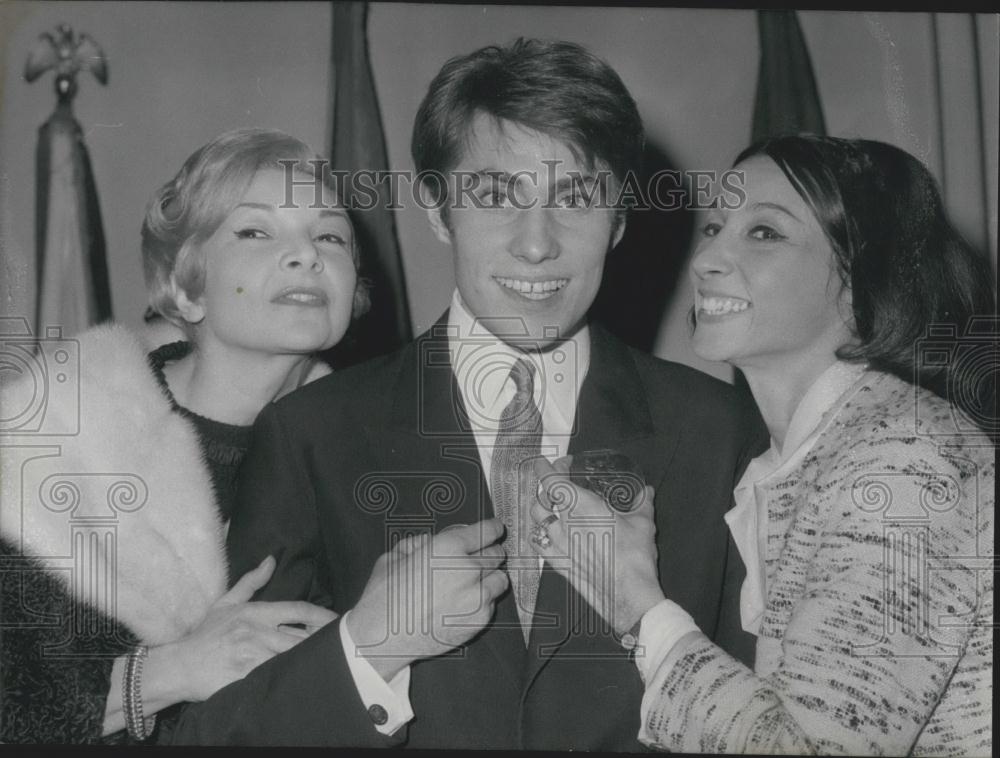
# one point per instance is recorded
(428, 452)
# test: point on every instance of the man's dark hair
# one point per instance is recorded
(556, 88)
(906, 265)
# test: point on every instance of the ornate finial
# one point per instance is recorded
(67, 53)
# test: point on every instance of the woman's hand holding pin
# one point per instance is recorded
(608, 556)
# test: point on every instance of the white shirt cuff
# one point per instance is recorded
(661, 628)
(386, 702)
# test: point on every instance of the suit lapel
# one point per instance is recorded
(612, 412)
(427, 451)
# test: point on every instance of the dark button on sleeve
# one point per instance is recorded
(378, 714)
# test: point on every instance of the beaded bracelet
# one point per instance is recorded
(139, 728)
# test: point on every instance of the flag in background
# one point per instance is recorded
(359, 144)
(72, 269)
(787, 98)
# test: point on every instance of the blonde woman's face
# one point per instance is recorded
(279, 271)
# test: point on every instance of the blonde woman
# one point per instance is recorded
(259, 282)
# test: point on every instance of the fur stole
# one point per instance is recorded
(104, 485)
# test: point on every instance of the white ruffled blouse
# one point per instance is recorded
(748, 519)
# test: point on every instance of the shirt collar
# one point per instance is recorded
(819, 400)
(482, 362)
(811, 416)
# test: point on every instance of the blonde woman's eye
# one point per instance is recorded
(710, 229)
(251, 233)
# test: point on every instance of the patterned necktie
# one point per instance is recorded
(514, 486)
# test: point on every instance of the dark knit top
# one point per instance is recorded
(223, 445)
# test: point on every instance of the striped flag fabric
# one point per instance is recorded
(787, 99)
(359, 145)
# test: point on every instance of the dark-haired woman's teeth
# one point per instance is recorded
(533, 290)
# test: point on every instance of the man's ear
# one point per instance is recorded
(191, 310)
(435, 215)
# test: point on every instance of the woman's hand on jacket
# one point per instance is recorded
(237, 635)
(620, 583)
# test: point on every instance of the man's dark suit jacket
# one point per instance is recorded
(341, 468)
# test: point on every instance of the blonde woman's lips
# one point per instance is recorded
(303, 296)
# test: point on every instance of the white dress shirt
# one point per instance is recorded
(482, 365)
(393, 696)
(665, 624)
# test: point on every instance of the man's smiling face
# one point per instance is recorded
(529, 244)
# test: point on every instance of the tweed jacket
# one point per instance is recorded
(876, 636)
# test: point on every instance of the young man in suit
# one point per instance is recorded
(522, 149)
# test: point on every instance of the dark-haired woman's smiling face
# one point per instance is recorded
(766, 287)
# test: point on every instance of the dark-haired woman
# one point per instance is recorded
(846, 298)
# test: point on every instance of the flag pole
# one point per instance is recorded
(72, 285)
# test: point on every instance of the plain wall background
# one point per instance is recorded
(182, 72)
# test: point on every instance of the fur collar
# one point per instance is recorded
(105, 485)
